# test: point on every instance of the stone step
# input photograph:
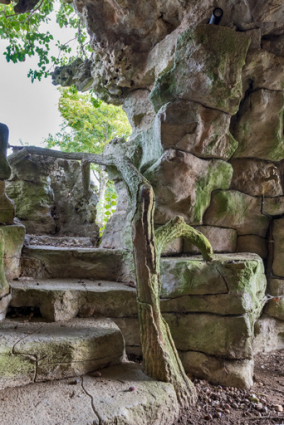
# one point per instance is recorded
(64, 299)
(93, 401)
(38, 351)
(71, 262)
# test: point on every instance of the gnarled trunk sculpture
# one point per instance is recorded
(160, 357)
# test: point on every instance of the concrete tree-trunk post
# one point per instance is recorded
(160, 357)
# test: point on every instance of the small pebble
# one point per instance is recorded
(278, 407)
(131, 389)
(259, 407)
(227, 411)
(208, 417)
(97, 374)
(218, 415)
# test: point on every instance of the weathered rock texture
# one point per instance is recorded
(49, 197)
(211, 309)
(206, 105)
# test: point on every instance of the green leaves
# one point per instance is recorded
(23, 32)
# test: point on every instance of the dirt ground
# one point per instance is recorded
(263, 404)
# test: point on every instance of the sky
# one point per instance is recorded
(29, 109)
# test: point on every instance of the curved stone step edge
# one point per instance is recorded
(39, 351)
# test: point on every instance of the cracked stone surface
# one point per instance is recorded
(93, 401)
(38, 351)
(14, 236)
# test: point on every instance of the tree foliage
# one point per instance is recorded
(26, 38)
(88, 126)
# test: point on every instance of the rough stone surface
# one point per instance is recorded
(220, 371)
(222, 240)
(64, 299)
(93, 400)
(208, 65)
(276, 287)
(275, 308)
(256, 178)
(273, 206)
(4, 304)
(139, 110)
(212, 334)
(96, 263)
(14, 240)
(7, 206)
(55, 202)
(268, 334)
(38, 351)
(192, 128)
(5, 169)
(259, 126)
(183, 184)
(278, 234)
(237, 210)
(263, 70)
(252, 243)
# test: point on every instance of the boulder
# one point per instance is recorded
(256, 177)
(237, 210)
(219, 371)
(192, 128)
(208, 66)
(258, 129)
(183, 184)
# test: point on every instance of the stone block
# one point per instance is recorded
(208, 65)
(183, 184)
(256, 178)
(265, 69)
(219, 371)
(221, 239)
(237, 210)
(278, 237)
(268, 334)
(214, 335)
(174, 247)
(261, 137)
(275, 287)
(275, 308)
(254, 244)
(273, 206)
(80, 263)
(14, 237)
(192, 128)
(49, 351)
(7, 206)
(5, 170)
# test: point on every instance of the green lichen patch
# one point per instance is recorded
(238, 211)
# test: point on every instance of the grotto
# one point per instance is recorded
(185, 288)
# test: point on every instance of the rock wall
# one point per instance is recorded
(49, 197)
(206, 105)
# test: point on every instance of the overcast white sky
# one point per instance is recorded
(29, 109)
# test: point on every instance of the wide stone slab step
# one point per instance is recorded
(93, 401)
(37, 351)
(64, 299)
(70, 262)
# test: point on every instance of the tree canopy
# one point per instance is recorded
(21, 25)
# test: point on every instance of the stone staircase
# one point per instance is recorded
(211, 308)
